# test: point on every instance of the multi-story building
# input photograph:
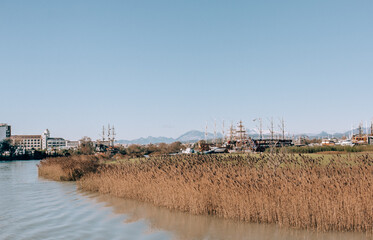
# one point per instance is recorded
(72, 144)
(5, 131)
(27, 142)
(45, 136)
(38, 142)
(52, 143)
(56, 143)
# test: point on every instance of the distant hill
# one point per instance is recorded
(191, 136)
(324, 134)
(195, 136)
(148, 140)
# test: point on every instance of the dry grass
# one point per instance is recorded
(67, 168)
(290, 190)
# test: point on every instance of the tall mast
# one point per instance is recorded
(223, 134)
(282, 128)
(103, 133)
(231, 132)
(260, 128)
(108, 132)
(366, 129)
(215, 131)
(241, 132)
(352, 131)
(113, 135)
(271, 129)
(206, 132)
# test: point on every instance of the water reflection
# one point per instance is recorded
(35, 208)
(187, 226)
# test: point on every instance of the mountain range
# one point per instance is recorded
(195, 135)
(191, 136)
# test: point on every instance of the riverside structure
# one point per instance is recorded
(5, 131)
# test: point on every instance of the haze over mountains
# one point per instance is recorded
(195, 135)
(191, 136)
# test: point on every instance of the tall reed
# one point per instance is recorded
(67, 168)
(290, 190)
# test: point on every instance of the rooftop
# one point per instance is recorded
(25, 136)
(56, 139)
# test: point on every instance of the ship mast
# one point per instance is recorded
(241, 132)
(361, 129)
(231, 132)
(103, 133)
(206, 133)
(271, 129)
(108, 133)
(366, 129)
(113, 135)
(223, 138)
(282, 128)
(260, 127)
(215, 132)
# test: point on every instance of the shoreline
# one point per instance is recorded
(15, 160)
(288, 190)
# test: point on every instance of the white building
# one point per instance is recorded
(46, 134)
(27, 142)
(5, 131)
(52, 143)
(72, 144)
(35, 142)
(56, 143)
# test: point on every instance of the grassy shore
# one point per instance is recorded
(291, 190)
(68, 168)
(330, 149)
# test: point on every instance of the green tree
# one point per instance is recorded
(6, 145)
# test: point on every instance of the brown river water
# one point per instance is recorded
(35, 208)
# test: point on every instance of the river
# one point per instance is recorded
(35, 208)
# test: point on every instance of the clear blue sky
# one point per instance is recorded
(161, 68)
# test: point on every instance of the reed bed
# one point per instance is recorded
(320, 149)
(68, 168)
(290, 190)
